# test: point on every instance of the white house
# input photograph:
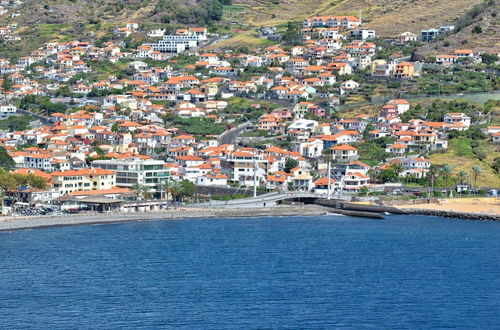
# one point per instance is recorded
(457, 118)
(7, 110)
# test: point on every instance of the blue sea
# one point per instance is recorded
(329, 272)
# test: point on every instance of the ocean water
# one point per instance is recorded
(324, 272)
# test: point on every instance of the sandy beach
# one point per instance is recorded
(470, 205)
(19, 223)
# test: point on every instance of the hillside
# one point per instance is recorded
(41, 21)
(486, 39)
(460, 156)
(387, 17)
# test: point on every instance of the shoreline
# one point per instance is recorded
(184, 213)
(40, 222)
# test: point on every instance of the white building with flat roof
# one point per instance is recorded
(131, 171)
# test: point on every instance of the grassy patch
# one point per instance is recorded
(461, 147)
(243, 39)
(460, 156)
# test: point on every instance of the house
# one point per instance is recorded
(362, 34)
(81, 180)
(348, 86)
(296, 65)
(457, 118)
(305, 125)
(442, 59)
(355, 180)
(321, 185)
(301, 179)
(312, 148)
(340, 68)
(406, 37)
(344, 153)
(344, 22)
(7, 110)
(404, 70)
(464, 53)
(212, 179)
(397, 148)
(401, 105)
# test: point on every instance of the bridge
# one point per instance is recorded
(268, 200)
(339, 204)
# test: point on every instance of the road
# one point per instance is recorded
(229, 137)
(43, 119)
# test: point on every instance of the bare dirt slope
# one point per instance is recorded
(387, 17)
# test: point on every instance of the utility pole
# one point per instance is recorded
(255, 168)
(328, 177)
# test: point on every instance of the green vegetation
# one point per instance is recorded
(197, 126)
(465, 153)
(103, 69)
(10, 181)
(290, 164)
(292, 36)
(437, 109)
(41, 104)
(16, 123)
(203, 13)
(469, 17)
(247, 109)
(373, 151)
(458, 80)
(6, 162)
(227, 197)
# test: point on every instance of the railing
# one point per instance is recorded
(268, 198)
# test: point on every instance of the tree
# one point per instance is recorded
(433, 174)
(142, 191)
(366, 131)
(175, 189)
(7, 83)
(462, 176)
(170, 188)
(477, 29)
(16, 123)
(290, 164)
(6, 162)
(114, 128)
(188, 189)
(496, 164)
(489, 58)
(390, 174)
(137, 188)
(476, 171)
(291, 37)
(481, 155)
(446, 171)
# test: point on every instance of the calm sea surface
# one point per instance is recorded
(297, 273)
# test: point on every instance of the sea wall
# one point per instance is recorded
(452, 214)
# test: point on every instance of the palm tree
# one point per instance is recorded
(167, 186)
(433, 173)
(462, 176)
(142, 192)
(175, 189)
(146, 192)
(446, 171)
(137, 187)
(476, 171)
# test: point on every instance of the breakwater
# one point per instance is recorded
(452, 214)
